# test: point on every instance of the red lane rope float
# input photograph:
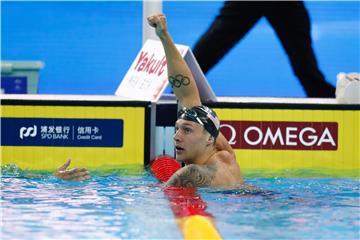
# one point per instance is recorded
(163, 167)
(187, 206)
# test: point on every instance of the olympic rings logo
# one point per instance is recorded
(179, 80)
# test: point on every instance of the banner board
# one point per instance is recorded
(62, 132)
(97, 135)
(319, 141)
(286, 138)
(281, 135)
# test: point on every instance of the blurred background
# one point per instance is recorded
(87, 47)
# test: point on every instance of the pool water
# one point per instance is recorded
(122, 206)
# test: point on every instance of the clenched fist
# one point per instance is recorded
(158, 22)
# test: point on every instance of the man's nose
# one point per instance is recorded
(176, 136)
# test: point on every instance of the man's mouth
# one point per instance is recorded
(179, 149)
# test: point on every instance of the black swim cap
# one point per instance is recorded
(204, 116)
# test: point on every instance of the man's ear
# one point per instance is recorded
(210, 140)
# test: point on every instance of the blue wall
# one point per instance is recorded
(88, 46)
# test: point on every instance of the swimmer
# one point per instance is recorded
(209, 159)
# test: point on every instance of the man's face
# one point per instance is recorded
(190, 140)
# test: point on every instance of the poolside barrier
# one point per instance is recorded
(40, 132)
(271, 137)
(293, 137)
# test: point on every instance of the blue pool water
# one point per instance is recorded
(134, 207)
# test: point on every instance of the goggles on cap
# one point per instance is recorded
(204, 116)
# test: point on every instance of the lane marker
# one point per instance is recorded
(187, 206)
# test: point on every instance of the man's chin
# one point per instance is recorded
(182, 160)
(179, 157)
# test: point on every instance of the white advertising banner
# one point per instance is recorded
(146, 79)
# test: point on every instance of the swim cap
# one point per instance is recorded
(204, 116)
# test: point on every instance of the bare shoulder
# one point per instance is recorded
(193, 175)
(223, 145)
(223, 156)
(228, 170)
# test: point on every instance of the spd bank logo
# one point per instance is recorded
(62, 132)
(28, 132)
(281, 135)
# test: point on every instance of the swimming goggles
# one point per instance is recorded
(202, 115)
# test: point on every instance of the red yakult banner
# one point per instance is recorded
(281, 135)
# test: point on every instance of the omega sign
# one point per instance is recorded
(281, 135)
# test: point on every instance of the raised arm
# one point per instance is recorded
(179, 74)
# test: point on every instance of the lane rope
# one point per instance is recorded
(187, 206)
